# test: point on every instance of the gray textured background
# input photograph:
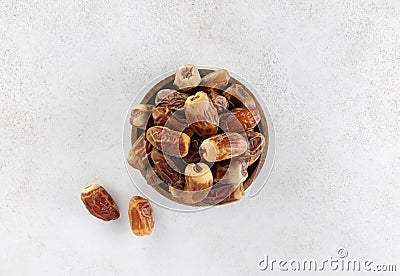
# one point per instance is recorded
(329, 70)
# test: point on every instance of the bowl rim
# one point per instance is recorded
(258, 182)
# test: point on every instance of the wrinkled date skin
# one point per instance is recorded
(171, 98)
(236, 195)
(220, 102)
(161, 114)
(99, 203)
(168, 174)
(240, 120)
(230, 171)
(168, 141)
(140, 215)
(187, 76)
(218, 193)
(238, 97)
(139, 153)
(176, 163)
(215, 80)
(199, 179)
(151, 177)
(194, 155)
(202, 114)
(256, 144)
(140, 115)
(223, 146)
(177, 121)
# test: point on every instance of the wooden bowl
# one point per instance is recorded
(262, 127)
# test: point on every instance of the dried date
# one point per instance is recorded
(168, 141)
(239, 120)
(151, 177)
(256, 144)
(165, 171)
(199, 179)
(215, 80)
(140, 115)
(193, 155)
(171, 98)
(178, 122)
(223, 146)
(139, 153)
(202, 114)
(220, 102)
(161, 115)
(140, 215)
(238, 96)
(99, 203)
(187, 76)
(236, 195)
(231, 172)
(218, 193)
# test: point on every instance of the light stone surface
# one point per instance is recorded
(329, 71)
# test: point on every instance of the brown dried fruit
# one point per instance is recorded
(199, 181)
(139, 153)
(232, 171)
(220, 102)
(161, 115)
(239, 120)
(224, 193)
(151, 177)
(140, 115)
(201, 114)
(218, 193)
(176, 163)
(168, 141)
(256, 144)
(171, 98)
(163, 169)
(140, 215)
(215, 80)
(99, 202)
(177, 121)
(187, 76)
(223, 146)
(194, 155)
(189, 131)
(235, 195)
(238, 97)
(198, 177)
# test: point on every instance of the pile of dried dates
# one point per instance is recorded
(197, 143)
(197, 139)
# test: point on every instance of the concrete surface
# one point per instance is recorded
(330, 71)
